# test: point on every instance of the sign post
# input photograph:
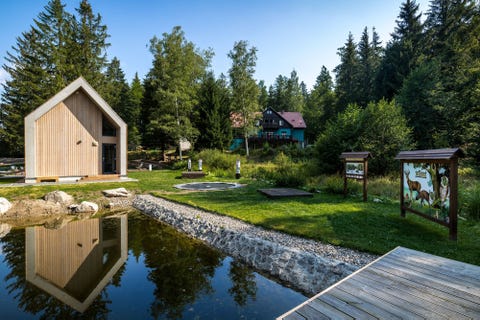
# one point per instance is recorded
(429, 185)
(355, 167)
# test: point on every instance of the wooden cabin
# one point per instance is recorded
(75, 135)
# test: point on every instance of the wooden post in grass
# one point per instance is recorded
(355, 167)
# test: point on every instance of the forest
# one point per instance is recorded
(420, 89)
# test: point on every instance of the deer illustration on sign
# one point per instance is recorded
(413, 185)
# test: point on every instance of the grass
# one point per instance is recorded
(348, 222)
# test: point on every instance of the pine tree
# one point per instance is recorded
(321, 105)
(402, 53)
(23, 92)
(45, 60)
(244, 88)
(366, 68)
(118, 95)
(295, 100)
(286, 94)
(263, 95)
(136, 96)
(452, 29)
(55, 28)
(214, 114)
(346, 74)
(88, 54)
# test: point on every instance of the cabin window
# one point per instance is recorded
(108, 130)
(280, 122)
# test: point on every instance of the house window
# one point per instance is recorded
(269, 111)
(108, 130)
(284, 135)
(280, 122)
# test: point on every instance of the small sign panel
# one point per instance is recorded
(355, 170)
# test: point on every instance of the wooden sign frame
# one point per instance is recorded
(432, 191)
(355, 166)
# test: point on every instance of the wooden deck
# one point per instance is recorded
(404, 283)
(284, 192)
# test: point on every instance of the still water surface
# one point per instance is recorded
(129, 267)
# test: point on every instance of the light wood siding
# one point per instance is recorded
(68, 138)
(62, 252)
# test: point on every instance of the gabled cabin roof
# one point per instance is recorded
(356, 155)
(295, 119)
(434, 154)
(79, 84)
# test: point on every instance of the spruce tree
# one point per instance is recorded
(452, 29)
(287, 94)
(263, 95)
(346, 74)
(23, 92)
(45, 60)
(136, 93)
(320, 106)
(214, 114)
(88, 52)
(403, 52)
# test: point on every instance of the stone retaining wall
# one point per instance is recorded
(305, 271)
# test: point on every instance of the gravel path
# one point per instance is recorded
(328, 251)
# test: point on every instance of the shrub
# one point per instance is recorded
(471, 205)
(283, 172)
(215, 160)
(385, 187)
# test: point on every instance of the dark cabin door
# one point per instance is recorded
(109, 158)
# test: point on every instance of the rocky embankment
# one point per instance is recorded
(304, 264)
(57, 208)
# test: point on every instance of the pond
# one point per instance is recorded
(129, 267)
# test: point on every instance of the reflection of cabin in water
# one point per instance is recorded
(74, 135)
(76, 262)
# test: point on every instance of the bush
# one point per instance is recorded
(215, 160)
(471, 205)
(333, 184)
(385, 187)
(283, 172)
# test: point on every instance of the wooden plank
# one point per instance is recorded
(429, 282)
(328, 310)
(460, 288)
(410, 293)
(434, 296)
(363, 303)
(405, 300)
(451, 277)
(308, 312)
(347, 308)
(388, 303)
(450, 267)
(294, 316)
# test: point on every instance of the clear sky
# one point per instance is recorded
(289, 34)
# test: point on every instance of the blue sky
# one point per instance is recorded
(289, 34)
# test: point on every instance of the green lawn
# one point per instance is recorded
(372, 227)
